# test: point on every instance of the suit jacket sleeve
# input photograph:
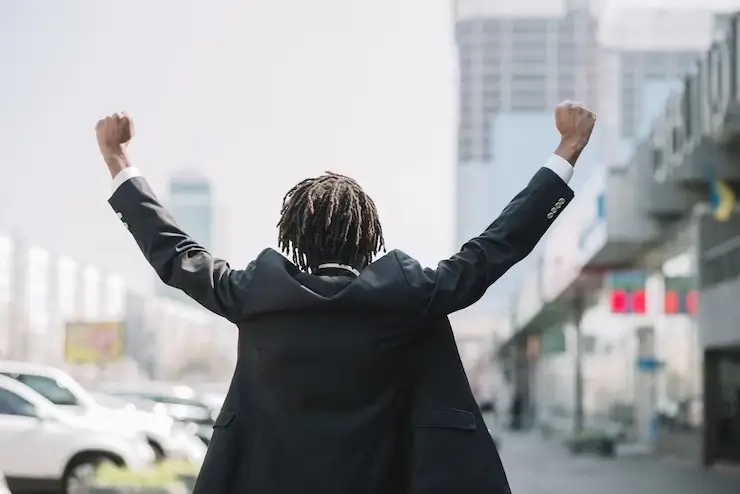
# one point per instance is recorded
(463, 279)
(177, 259)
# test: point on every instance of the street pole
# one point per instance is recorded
(578, 308)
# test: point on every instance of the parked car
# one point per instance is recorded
(189, 446)
(4, 489)
(181, 403)
(62, 390)
(214, 401)
(47, 450)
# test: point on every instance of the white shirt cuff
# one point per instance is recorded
(561, 167)
(123, 176)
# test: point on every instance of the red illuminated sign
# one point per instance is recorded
(671, 303)
(626, 291)
(692, 302)
(637, 299)
(618, 301)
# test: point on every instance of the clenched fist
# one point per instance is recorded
(575, 123)
(114, 133)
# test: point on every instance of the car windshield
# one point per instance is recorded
(49, 388)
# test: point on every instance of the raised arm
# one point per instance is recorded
(177, 259)
(463, 279)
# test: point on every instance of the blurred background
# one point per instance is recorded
(612, 353)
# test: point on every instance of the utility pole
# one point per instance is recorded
(578, 309)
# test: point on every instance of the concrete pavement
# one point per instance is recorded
(535, 466)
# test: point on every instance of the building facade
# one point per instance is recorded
(42, 293)
(667, 331)
(516, 62)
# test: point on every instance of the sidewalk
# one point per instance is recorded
(535, 466)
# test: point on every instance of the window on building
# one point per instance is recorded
(588, 343)
(492, 48)
(529, 81)
(553, 341)
(656, 161)
(491, 79)
(491, 58)
(491, 100)
(567, 93)
(529, 100)
(464, 27)
(492, 26)
(464, 149)
(531, 27)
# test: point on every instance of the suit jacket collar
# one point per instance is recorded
(336, 269)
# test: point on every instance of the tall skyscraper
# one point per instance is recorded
(517, 60)
(190, 201)
(524, 57)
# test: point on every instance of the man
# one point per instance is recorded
(348, 380)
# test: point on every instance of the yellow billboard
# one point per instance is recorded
(93, 342)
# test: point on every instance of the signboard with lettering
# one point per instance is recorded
(93, 342)
(680, 296)
(626, 290)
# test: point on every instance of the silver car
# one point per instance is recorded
(3, 485)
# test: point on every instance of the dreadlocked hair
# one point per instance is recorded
(329, 219)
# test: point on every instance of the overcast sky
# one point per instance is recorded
(257, 94)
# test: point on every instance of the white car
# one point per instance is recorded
(47, 450)
(4, 489)
(176, 440)
(167, 440)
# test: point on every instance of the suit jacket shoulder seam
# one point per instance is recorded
(403, 271)
(248, 288)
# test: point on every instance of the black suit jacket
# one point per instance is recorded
(346, 385)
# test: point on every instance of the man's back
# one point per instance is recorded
(326, 392)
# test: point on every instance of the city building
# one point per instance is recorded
(630, 315)
(644, 50)
(517, 60)
(190, 201)
(44, 297)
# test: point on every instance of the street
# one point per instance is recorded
(537, 467)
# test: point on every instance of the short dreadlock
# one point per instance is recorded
(329, 219)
